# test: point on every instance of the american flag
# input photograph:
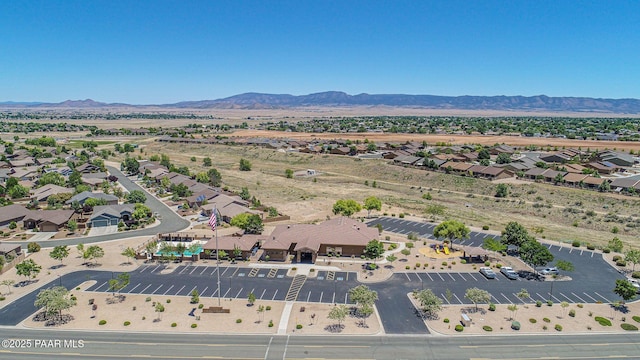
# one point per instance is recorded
(213, 221)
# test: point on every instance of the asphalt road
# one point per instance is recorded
(171, 221)
(110, 345)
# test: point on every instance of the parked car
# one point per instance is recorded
(487, 272)
(635, 284)
(509, 272)
(549, 271)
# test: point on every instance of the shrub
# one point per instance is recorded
(492, 307)
(459, 328)
(78, 288)
(148, 299)
(168, 301)
(485, 227)
(538, 303)
(238, 321)
(33, 247)
(575, 243)
(572, 313)
(635, 274)
(102, 322)
(174, 324)
(590, 314)
(193, 326)
(270, 323)
(636, 318)
(418, 265)
(580, 306)
(444, 263)
(602, 321)
(446, 320)
(591, 247)
(2, 298)
(498, 266)
(401, 215)
(558, 327)
(533, 321)
(487, 328)
(546, 320)
(463, 261)
(629, 327)
(407, 267)
(487, 263)
(549, 302)
(617, 258)
(299, 326)
(606, 250)
(144, 318)
(621, 263)
(268, 308)
(515, 325)
(200, 306)
(127, 323)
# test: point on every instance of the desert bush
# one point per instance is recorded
(538, 303)
(575, 243)
(606, 250)
(621, 263)
(549, 303)
(547, 320)
(463, 261)
(558, 327)
(487, 328)
(485, 227)
(572, 313)
(617, 258)
(200, 306)
(444, 263)
(459, 328)
(446, 320)
(268, 308)
(602, 321)
(174, 324)
(193, 326)
(270, 323)
(127, 323)
(635, 274)
(580, 306)
(591, 247)
(629, 327)
(533, 321)
(148, 299)
(102, 322)
(238, 321)
(636, 318)
(299, 326)
(407, 267)
(487, 263)
(168, 301)
(492, 307)
(515, 325)
(498, 265)
(33, 247)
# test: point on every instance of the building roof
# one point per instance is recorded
(245, 242)
(13, 212)
(339, 231)
(574, 177)
(83, 196)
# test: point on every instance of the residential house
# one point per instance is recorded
(41, 194)
(593, 182)
(106, 215)
(83, 196)
(47, 220)
(602, 167)
(11, 213)
(87, 168)
(625, 183)
(574, 179)
(617, 158)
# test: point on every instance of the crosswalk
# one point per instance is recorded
(295, 287)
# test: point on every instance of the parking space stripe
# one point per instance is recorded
(566, 297)
(128, 292)
(238, 294)
(214, 271)
(203, 291)
(194, 269)
(235, 271)
(441, 278)
(321, 293)
(165, 293)
(516, 296)
(157, 289)
(143, 269)
(494, 298)
(607, 300)
(590, 297)
(558, 300)
(418, 275)
(203, 270)
(225, 294)
(456, 296)
(105, 283)
(407, 275)
(345, 297)
(309, 296)
(189, 293)
(184, 268)
(183, 286)
(472, 276)
(225, 270)
(579, 298)
(430, 278)
(581, 251)
(274, 295)
(445, 298)
(263, 291)
(451, 276)
(157, 267)
(505, 296)
(462, 276)
(143, 290)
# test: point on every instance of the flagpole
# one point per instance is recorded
(217, 255)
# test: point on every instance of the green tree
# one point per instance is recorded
(535, 254)
(18, 192)
(136, 197)
(28, 269)
(244, 193)
(605, 186)
(372, 203)
(93, 252)
(250, 223)
(251, 299)
(141, 211)
(565, 265)
(451, 229)
(374, 249)
(59, 252)
(13, 225)
(33, 247)
(207, 162)
(514, 234)
(503, 158)
(129, 253)
(429, 302)
(346, 207)
(514, 309)
(632, 256)
(8, 283)
(523, 295)
(51, 178)
(202, 177)
(288, 173)
(120, 282)
(54, 300)
(159, 309)
(391, 258)
(362, 295)
(502, 190)
(195, 296)
(245, 165)
(130, 165)
(492, 244)
(625, 289)
(476, 296)
(215, 179)
(484, 154)
(72, 226)
(615, 245)
(338, 313)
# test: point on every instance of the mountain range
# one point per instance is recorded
(341, 99)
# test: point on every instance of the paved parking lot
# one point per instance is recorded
(425, 230)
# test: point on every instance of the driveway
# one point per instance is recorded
(103, 230)
(41, 236)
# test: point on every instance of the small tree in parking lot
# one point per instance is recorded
(477, 296)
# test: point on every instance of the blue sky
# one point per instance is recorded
(146, 52)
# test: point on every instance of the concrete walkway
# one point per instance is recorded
(284, 319)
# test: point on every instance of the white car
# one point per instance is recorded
(635, 284)
(509, 272)
(487, 272)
